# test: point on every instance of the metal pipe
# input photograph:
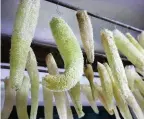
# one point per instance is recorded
(58, 2)
(41, 70)
(55, 46)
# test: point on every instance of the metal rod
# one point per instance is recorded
(40, 70)
(54, 46)
(58, 2)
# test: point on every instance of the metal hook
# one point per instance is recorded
(115, 26)
(90, 17)
(57, 9)
(127, 29)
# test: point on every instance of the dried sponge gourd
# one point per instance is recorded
(135, 42)
(23, 32)
(51, 64)
(139, 84)
(128, 49)
(9, 100)
(118, 70)
(88, 71)
(32, 69)
(75, 97)
(86, 90)
(86, 32)
(121, 102)
(21, 99)
(69, 111)
(140, 38)
(130, 73)
(101, 96)
(119, 97)
(106, 85)
(134, 79)
(139, 98)
(48, 103)
(60, 97)
(71, 52)
(61, 106)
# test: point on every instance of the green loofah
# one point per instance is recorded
(72, 55)
(140, 38)
(86, 90)
(60, 97)
(86, 32)
(128, 49)
(119, 97)
(48, 103)
(21, 99)
(118, 71)
(32, 69)
(106, 85)
(24, 28)
(9, 100)
(135, 42)
(75, 97)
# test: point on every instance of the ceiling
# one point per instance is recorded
(129, 12)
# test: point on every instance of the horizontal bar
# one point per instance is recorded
(58, 2)
(41, 50)
(42, 70)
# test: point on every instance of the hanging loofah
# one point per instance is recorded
(23, 32)
(72, 54)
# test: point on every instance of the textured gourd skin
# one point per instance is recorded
(72, 55)
(75, 97)
(9, 100)
(69, 111)
(48, 103)
(21, 99)
(121, 102)
(134, 79)
(140, 85)
(118, 70)
(141, 39)
(131, 76)
(60, 97)
(86, 90)
(86, 32)
(128, 49)
(119, 97)
(139, 98)
(106, 85)
(51, 65)
(23, 32)
(99, 92)
(31, 67)
(88, 71)
(60, 101)
(135, 42)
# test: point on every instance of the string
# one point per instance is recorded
(57, 9)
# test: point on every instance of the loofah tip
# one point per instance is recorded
(56, 20)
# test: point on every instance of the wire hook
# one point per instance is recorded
(127, 29)
(57, 9)
(115, 26)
